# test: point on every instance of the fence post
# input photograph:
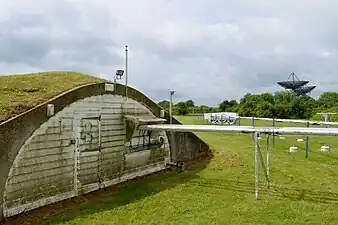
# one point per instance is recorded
(307, 142)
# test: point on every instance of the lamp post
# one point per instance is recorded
(126, 69)
(170, 106)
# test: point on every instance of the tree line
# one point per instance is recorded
(281, 104)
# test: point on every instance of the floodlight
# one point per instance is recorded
(119, 74)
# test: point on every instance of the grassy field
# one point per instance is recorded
(220, 191)
(22, 92)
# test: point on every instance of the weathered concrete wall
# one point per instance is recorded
(82, 147)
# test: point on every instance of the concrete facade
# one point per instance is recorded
(83, 147)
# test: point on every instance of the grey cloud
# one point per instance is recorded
(58, 38)
(206, 50)
(23, 40)
(17, 49)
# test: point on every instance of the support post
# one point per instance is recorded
(126, 69)
(173, 147)
(268, 159)
(307, 142)
(273, 135)
(263, 164)
(171, 106)
(256, 163)
(253, 124)
(326, 116)
(170, 109)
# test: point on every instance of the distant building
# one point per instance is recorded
(221, 117)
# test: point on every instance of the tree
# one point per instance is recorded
(223, 106)
(284, 96)
(268, 97)
(282, 111)
(205, 109)
(227, 105)
(233, 103)
(264, 109)
(328, 99)
(190, 103)
(282, 104)
(245, 97)
(164, 104)
(181, 108)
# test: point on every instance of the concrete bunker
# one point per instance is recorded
(84, 140)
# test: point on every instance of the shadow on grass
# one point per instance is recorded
(109, 198)
(294, 194)
(134, 190)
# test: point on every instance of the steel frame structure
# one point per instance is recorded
(247, 129)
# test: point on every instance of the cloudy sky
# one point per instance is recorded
(206, 50)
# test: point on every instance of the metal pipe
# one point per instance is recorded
(273, 135)
(263, 164)
(170, 106)
(246, 129)
(307, 143)
(256, 165)
(243, 129)
(170, 110)
(126, 70)
(293, 121)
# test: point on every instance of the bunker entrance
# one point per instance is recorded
(89, 151)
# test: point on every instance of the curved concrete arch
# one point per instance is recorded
(44, 171)
(14, 133)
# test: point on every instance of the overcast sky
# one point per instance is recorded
(206, 50)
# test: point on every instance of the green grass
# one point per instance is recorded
(332, 117)
(20, 93)
(221, 191)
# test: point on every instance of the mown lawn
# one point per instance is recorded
(221, 191)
